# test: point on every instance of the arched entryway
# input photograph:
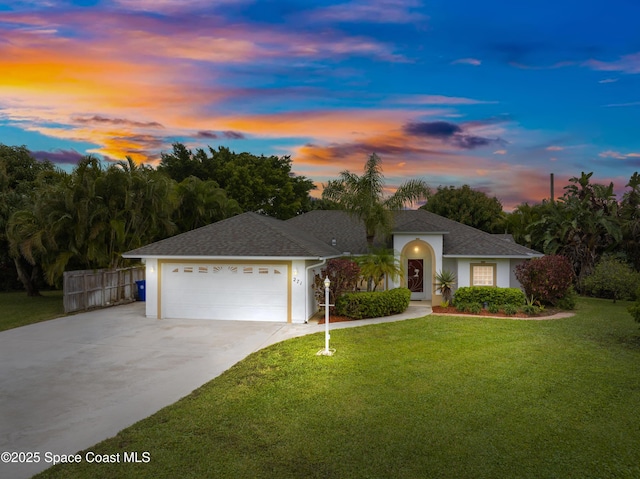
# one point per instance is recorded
(418, 264)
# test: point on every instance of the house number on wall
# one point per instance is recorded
(297, 281)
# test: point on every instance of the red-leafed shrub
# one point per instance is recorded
(343, 274)
(548, 279)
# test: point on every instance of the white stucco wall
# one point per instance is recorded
(151, 308)
(313, 268)
(513, 281)
(299, 286)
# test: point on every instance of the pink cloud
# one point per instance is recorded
(617, 155)
(467, 61)
(631, 103)
(374, 11)
(437, 100)
(626, 64)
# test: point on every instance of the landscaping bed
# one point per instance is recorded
(486, 313)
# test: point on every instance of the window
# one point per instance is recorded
(483, 274)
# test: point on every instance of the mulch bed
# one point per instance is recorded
(484, 312)
(448, 310)
(335, 319)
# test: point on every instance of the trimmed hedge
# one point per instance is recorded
(488, 294)
(373, 304)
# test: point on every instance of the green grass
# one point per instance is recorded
(17, 309)
(437, 397)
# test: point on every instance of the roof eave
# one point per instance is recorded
(422, 233)
(228, 258)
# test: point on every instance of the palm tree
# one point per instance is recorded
(88, 218)
(202, 203)
(581, 225)
(363, 196)
(378, 264)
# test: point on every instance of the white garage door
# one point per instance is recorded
(250, 292)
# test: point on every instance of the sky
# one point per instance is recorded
(494, 94)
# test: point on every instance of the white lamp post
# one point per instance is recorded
(326, 351)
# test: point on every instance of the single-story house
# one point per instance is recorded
(253, 267)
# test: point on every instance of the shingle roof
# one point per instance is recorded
(248, 235)
(310, 236)
(326, 225)
(458, 239)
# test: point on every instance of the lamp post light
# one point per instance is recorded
(326, 351)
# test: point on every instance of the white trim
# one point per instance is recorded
(229, 258)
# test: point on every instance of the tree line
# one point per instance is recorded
(587, 224)
(52, 220)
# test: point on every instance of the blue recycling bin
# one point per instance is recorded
(142, 292)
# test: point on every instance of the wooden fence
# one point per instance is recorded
(90, 289)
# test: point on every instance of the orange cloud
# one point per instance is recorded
(50, 79)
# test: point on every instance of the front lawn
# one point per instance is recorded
(17, 309)
(441, 397)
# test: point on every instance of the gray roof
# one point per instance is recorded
(458, 239)
(327, 225)
(245, 235)
(311, 236)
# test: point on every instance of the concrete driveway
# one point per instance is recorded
(69, 383)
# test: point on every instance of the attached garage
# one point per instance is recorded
(253, 291)
(249, 268)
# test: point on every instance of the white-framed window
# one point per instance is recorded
(483, 274)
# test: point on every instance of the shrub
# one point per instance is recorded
(475, 308)
(634, 309)
(510, 309)
(494, 308)
(548, 278)
(374, 304)
(343, 274)
(461, 306)
(489, 295)
(612, 279)
(569, 301)
(532, 309)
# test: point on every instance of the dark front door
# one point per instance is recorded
(415, 275)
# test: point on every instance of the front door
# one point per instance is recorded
(415, 277)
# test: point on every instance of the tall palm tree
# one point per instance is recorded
(363, 196)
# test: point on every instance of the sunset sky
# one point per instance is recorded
(491, 93)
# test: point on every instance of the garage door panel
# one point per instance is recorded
(225, 291)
